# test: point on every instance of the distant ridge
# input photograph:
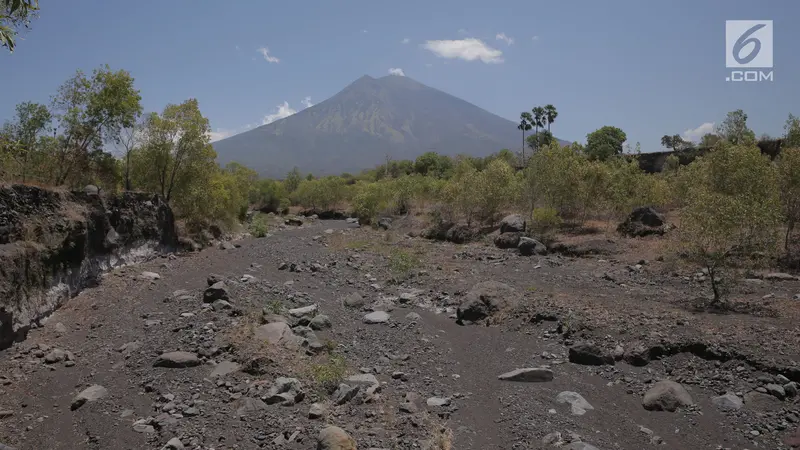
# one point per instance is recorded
(366, 121)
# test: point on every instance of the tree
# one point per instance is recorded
(540, 140)
(709, 140)
(32, 120)
(605, 142)
(788, 168)
(734, 129)
(525, 120)
(92, 111)
(15, 14)
(732, 210)
(675, 142)
(177, 151)
(130, 138)
(539, 115)
(550, 115)
(433, 164)
(292, 180)
(791, 138)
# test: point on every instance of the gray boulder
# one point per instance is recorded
(513, 223)
(507, 240)
(666, 395)
(529, 246)
(486, 299)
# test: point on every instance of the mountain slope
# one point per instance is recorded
(369, 119)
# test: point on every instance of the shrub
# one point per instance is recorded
(545, 221)
(329, 374)
(259, 226)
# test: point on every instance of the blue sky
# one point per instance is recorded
(648, 67)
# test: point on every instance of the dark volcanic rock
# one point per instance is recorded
(507, 240)
(486, 299)
(77, 237)
(589, 355)
(643, 221)
(528, 247)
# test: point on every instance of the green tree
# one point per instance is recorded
(90, 112)
(734, 129)
(31, 122)
(292, 180)
(177, 154)
(550, 114)
(788, 168)
(15, 14)
(525, 121)
(675, 142)
(791, 137)
(604, 143)
(709, 140)
(540, 140)
(433, 164)
(539, 116)
(732, 210)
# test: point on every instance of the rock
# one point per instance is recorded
(376, 317)
(286, 391)
(226, 246)
(528, 375)
(56, 355)
(320, 322)
(529, 246)
(728, 402)
(91, 190)
(354, 300)
(790, 388)
(150, 276)
(304, 311)
(221, 305)
(436, 402)
(60, 328)
(578, 404)
(335, 438)
(507, 240)
(413, 317)
(580, 446)
(776, 391)
(224, 368)
(362, 379)
(385, 223)
(130, 347)
(317, 411)
(177, 360)
(91, 394)
(344, 393)
(779, 276)
(513, 223)
(173, 444)
(246, 405)
(277, 333)
(213, 279)
(294, 221)
(666, 395)
(216, 291)
(643, 221)
(486, 299)
(757, 401)
(589, 355)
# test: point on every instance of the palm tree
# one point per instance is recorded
(525, 120)
(550, 115)
(538, 120)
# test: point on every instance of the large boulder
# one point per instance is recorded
(507, 240)
(513, 223)
(529, 246)
(335, 438)
(643, 221)
(486, 299)
(666, 395)
(589, 355)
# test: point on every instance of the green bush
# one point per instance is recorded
(545, 221)
(259, 226)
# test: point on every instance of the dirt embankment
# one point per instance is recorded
(55, 243)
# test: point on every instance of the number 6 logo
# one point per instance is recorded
(748, 43)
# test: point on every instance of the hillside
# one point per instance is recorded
(366, 121)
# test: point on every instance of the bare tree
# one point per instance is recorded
(131, 138)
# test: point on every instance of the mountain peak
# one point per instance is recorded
(369, 119)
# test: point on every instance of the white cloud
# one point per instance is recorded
(469, 49)
(219, 135)
(397, 71)
(695, 134)
(267, 57)
(405, 41)
(237, 48)
(284, 111)
(307, 102)
(462, 31)
(502, 37)
(535, 38)
(364, 31)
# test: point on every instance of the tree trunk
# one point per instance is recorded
(789, 228)
(523, 147)
(128, 171)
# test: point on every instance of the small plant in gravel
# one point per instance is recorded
(274, 306)
(401, 262)
(328, 374)
(259, 227)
